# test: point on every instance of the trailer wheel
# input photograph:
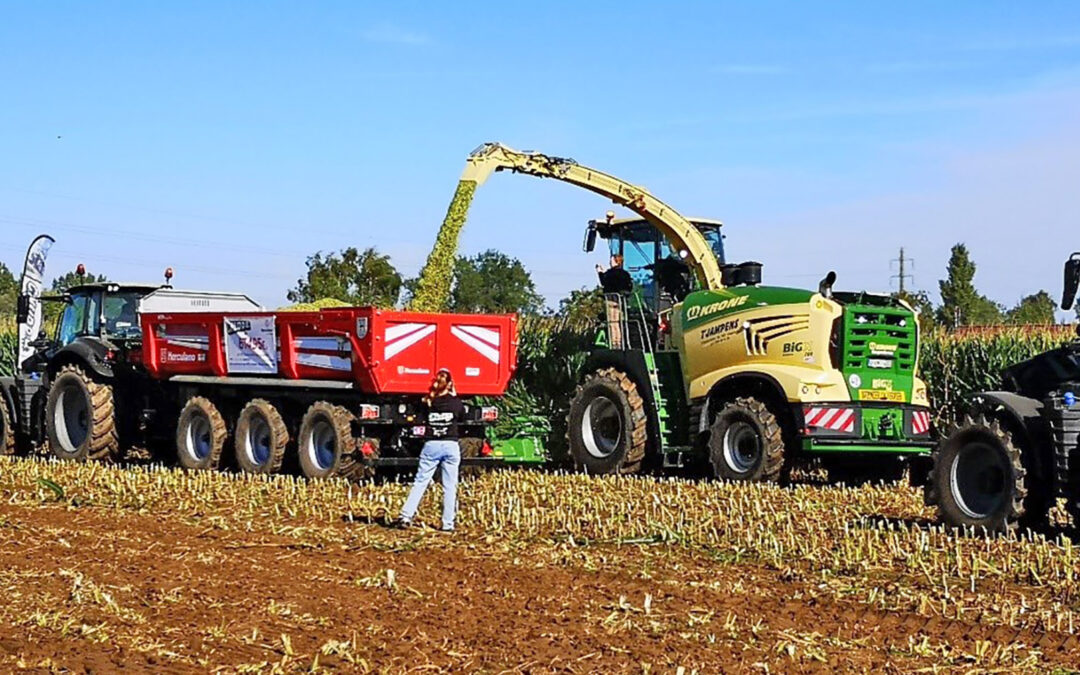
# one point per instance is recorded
(606, 427)
(360, 465)
(746, 442)
(326, 444)
(200, 435)
(470, 447)
(978, 477)
(7, 428)
(260, 438)
(80, 417)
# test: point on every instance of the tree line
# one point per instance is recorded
(493, 282)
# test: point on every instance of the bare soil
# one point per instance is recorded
(97, 590)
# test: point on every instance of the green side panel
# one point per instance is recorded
(526, 445)
(703, 306)
(879, 352)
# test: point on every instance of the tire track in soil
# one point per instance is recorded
(456, 605)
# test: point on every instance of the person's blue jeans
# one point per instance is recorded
(436, 453)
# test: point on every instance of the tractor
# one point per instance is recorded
(1005, 462)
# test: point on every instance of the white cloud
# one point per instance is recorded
(387, 33)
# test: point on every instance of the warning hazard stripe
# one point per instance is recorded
(920, 422)
(832, 419)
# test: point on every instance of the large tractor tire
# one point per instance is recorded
(7, 428)
(80, 417)
(326, 444)
(260, 438)
(606, 427)
(978, 477)
(746, 442)
(200, 435)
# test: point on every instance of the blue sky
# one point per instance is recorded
(230, 140)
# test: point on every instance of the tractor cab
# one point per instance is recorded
(661, 278)
(106, 311)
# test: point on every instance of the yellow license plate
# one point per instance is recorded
(876, 395)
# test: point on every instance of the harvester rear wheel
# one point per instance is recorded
(200, 435)
(325, 443)
(261, 438)
(7, 428)
(978, 478)
(746, 442)
(606, 427)
(81, 417)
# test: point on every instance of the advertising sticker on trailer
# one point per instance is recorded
(251, 345)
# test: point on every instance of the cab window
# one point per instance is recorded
(121, 319)
(73, 320)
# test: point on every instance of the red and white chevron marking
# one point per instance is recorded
(920, 422)
(833, 419)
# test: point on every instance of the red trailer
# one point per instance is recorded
(379, 351)
(333, 392)
(344, 384)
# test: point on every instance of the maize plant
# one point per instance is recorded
(432, 292)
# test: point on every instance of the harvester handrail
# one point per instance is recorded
(680, 232)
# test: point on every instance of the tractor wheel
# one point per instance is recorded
(260, 438)
(326, 444)
(200, 435)
(7, 428)
(606, 427)
(978, 477)
(80, 417)
(746, 442)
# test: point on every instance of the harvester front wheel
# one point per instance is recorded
(746, 442)
(7, 428)
(200, 435)
(606, 427)
(978, 478)
(261, 437)
(81, 417)
(326, 444)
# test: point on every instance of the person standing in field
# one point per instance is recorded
(444, 412)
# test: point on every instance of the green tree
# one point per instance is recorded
(961, 304)
(357, 277)
(583, 305)
(69, 279)
(493, 282)
(9, 292)
(1033, 309)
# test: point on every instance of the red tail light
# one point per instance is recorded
(485, 450)
(367, 449)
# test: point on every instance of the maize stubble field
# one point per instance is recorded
(159, 569)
